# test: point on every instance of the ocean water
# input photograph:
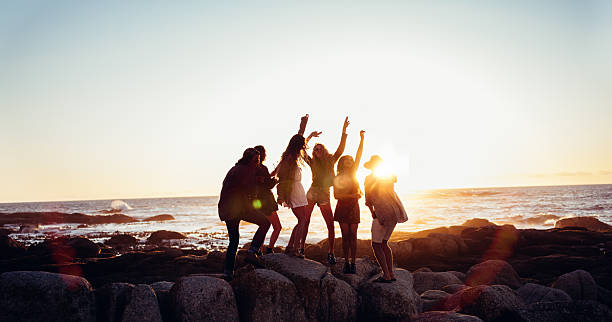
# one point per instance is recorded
(196, 217)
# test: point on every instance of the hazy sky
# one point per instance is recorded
(119, 99)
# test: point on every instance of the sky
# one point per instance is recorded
(116, 99)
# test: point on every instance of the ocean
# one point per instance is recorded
(196, 217)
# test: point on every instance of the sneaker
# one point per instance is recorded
(353, 268)
(269, 250)
(300, 253)
(347, 268)
(331, 259)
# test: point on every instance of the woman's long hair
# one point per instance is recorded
(325, 158)
(292, 157)
(247, 155)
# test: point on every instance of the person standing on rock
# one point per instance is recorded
(322, 166)
(291, 193)
(236, 204)
(265, 201)
(387, 211)
(347, 192)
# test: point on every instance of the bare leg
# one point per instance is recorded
(296, 233)
(307, 212)
(389, 258)
(276, 225)
(344, 229)
(326, 211)
(380, 255)
(353, 231)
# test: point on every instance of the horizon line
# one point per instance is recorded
(204, 196)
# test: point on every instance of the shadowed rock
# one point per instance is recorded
(433, 300)
(162, 291)
(122, 241)
(493, 272)
(424, 281)
(531, 293)
(590, 223)
(161, 235)
(42, 296)
(444, 316)
(203, 298)
(265, 295)
(10, 248)
(395, 301)
(454, 288)
(579, 285)
(142, 305)
(163, 217)
(585, 311)
(338, 300)
(490, 303)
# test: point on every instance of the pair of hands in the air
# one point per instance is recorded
(315, 134)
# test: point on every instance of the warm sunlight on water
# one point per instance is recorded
(537, 207)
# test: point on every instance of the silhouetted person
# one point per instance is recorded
(322, 166)
(267, 203)
(347, 192)
(387, 211)
(290, 191)
(236, 204)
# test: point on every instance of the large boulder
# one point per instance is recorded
(142, 305)
(444, 316)
(161, 235)
(162, 291)
(111, 300)
(365, 268)
(433, 300)
(83, 247)
(531, 293)
(10, 248)
(338, 300)
(493, 272)
(490, 303)
(395, 301)
(305, 274)
(265, 295)
(424, 281)
(203, 298)
(590, 223)
(579, 285)
(43, 296)
(586, 311)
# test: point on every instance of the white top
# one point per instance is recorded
(298, 195)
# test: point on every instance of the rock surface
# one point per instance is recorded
(365, 268)
(433, 300)
(123, 240)
(265, 295)
(444, 316)
(162, 292)
(203, 298)
(493, 272)
(490, 303)
(162, 235)
(42, 296)
(424, 281)
(579, 285)
(531, 293)
(395, 301)
(590, 223)
(163, 217)
(10, 248)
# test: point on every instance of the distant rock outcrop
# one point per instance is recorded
(590, 223)
(162, 235)
(163, 217)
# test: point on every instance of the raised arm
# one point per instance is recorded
(303, 122)
(359, 150)
(342, 144)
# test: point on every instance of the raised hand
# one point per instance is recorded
(361, 133)
(346, 124)
(315, 134)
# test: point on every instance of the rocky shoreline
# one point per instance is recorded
(476, 271)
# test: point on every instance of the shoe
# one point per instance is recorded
(269, 250)
(347, 268)
(331, 259)
(252, 258)
(289, 251)
(380, 279)
(300, 253)
(353, 268)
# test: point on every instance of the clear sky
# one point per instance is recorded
(120, 99)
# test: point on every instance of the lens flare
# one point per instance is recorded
(257, 204)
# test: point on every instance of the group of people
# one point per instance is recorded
(247, 195)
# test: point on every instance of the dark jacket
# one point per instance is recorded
(239, 188)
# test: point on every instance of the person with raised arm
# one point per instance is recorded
(265, 201)
(387, 211)
(348, 193)
(236, 204)
(290, 191)
(322, 166)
